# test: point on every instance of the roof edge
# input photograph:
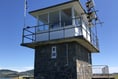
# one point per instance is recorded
(57, 5)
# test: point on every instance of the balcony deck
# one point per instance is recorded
(32, 38)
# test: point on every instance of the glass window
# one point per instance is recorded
(77, 19)
(43, 22)
(66, 17)
(54, 19)
(54, 52)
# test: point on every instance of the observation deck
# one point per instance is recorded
(33, 37)
(58, 24)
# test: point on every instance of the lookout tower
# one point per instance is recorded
(63, 41)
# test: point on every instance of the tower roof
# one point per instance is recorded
(68, 4)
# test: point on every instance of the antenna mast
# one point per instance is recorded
(25, 12)
(91, 13)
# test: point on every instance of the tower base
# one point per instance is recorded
(71, 61)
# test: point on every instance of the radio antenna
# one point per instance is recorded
(25, 12)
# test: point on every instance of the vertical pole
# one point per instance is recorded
(90, 35)
(25, 7)
(49, 25)
(81, 27)
(37, 23)
(36, 28)
(67, 54)
(25, 10)
(23, 35)
(73, 16)
(96, 39)
(60, 18)
(35, 33)
(49, 20)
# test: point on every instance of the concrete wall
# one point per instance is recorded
(64, 66)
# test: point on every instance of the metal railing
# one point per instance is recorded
(101, 71)
(30, 33)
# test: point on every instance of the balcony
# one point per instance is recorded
(59, 24)
(44, 34)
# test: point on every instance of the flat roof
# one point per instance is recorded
(57, 6)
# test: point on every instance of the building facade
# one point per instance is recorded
(63, 41)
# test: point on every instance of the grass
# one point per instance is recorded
(116, 76)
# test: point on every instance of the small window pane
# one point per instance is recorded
(54, 53)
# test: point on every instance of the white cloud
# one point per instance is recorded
(19, 69)
(113, 69)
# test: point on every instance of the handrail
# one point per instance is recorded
(32, 32)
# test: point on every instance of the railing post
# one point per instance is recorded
(64, 30)
(90, 35)
(81, 29)
(49, 31)
(23, 35)
(60, 18)
(97, 44)
(86, 33)
(35, 34)
(73, 16)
